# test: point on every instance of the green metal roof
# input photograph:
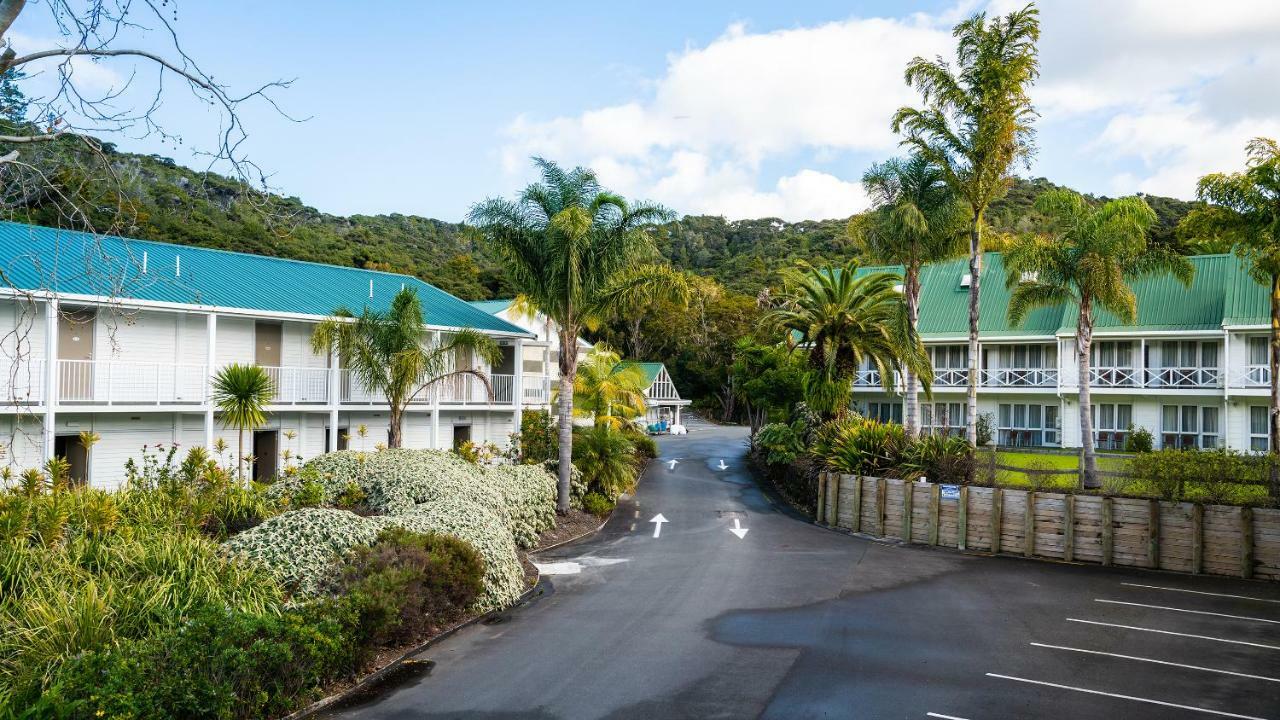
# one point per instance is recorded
(650, 370)
(493, 307)
(77, 263)
(1222, 292)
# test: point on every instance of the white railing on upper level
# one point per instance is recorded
(455, 390)
(299, 385)
(131, 383)
(867, 378)
(1113, 376)
(1020, 377)
(951, 377)
(23, 383)
(1252, 376)
(535, 389)
(1184, 377)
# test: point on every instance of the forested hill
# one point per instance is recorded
(171, 203)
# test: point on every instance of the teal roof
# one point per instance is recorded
(493, 307)
(78, 263)
(1222, 292)
(650, 369)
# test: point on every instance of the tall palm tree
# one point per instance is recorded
(241, 394)
(1244, 210)
(391, 353)
(975, 124)
(845, 320)
(1087, 258)
(608, 390)
(916, 218)
(579, 254)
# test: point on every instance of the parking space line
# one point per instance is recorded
(1202, 592)
(943, 717)
(1220, 713)
(1179, 634)
(1158, 662)
(1191, 612)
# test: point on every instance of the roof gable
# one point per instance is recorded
(78, 263)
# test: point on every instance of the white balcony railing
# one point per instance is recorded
(1253, 376)
(950, 377)
(1184, 377)
(299, 385)
(867, 378)
(23, 383)
(1113, 376)
(535, 389)
(456, 390)
(131, 383)
(1020, 377)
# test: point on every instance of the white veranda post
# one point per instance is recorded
(210, 362)
(50, 377)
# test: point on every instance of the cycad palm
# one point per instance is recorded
(916, 219)
(1088, 258)
(975, 125)
(607, 389)
(845, 320)
(578, 254)
(241, 394)
(392, 354)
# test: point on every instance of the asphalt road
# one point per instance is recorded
(797, 621)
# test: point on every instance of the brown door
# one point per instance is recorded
(461, 434)
(266, 444)
(75, 354)
(267, 337)
(73, 451)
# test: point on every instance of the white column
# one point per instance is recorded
(517, 386)
(335, 398)
(677, 415)
(211, 355)
(50, 376)
(435, 404)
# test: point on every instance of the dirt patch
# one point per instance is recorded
(576, 524)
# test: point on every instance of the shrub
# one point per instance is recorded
(310, 493)
(537, 442)
(646, 448)
(351, 497)
(779, 443)
(597, 504)
(1138, 440)
(221, 664)
(984, 427)
(606, 458)
(410, 582)
(865, 447)
(940, 458)
(1211, 476)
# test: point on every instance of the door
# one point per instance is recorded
(342, 438)
(266, 447)
(266, 347)
(461, 434)
(73, 450)
(75, 354)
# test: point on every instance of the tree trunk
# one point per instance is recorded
(975, 274)
(912, 287)
(240, 459)
(394, 418)
(1084, 343)
(1274, 363)
(568, 372)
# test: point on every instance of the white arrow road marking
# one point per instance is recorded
(722, 465)
(738, 530)
(569, 567)
(657, 524)
(672, 463)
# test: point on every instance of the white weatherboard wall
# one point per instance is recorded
(234, 341)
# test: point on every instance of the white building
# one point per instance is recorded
(540, 360)
(121, 337)
(661, 399)
(1192, 370)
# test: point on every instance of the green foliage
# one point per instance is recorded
(864, 447)
(940, 458)
(309, 494)
(536, 442)
(1138, 440)
(986, 428)
(607, 390)
(241, 394)
(645, 447)
(607, 460)
(768, 378)
(780, 443)
(410, 582)
(1209, 476)
(597, 504)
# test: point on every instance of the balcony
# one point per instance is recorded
(299, 385)
(1114, 377)
(535, 389)
(1184, 377)
(1253, 376)
(457, 390)
(23, 383)
(950, 377)
(131, 383)
(1020, 377)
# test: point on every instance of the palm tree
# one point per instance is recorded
(1087, 258)
(1244, 210)
(975, 125)
(845, 320)
(578, 254)
(607, 389)
(240, 393)
(916, 219)
(391, 353)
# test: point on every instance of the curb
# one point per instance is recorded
(576, 538)
(378, 675)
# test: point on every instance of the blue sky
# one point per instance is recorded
(746, 109)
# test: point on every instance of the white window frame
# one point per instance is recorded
(1112, 434)
(1259, 441)
(1185, 430)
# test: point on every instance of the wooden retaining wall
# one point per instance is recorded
(1184, 537)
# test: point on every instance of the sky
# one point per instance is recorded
(742, 109)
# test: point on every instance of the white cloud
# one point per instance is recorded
(1153, 92)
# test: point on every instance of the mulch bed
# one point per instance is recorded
(568, 527)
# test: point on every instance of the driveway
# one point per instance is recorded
(690, 619)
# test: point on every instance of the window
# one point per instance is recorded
(885, 411)
(1259, 432)
(1189, 426)
(1259, 371)
(1113, 353)
(1258, 350)
(944, 418)
(1111, 425)
(1022, 425)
